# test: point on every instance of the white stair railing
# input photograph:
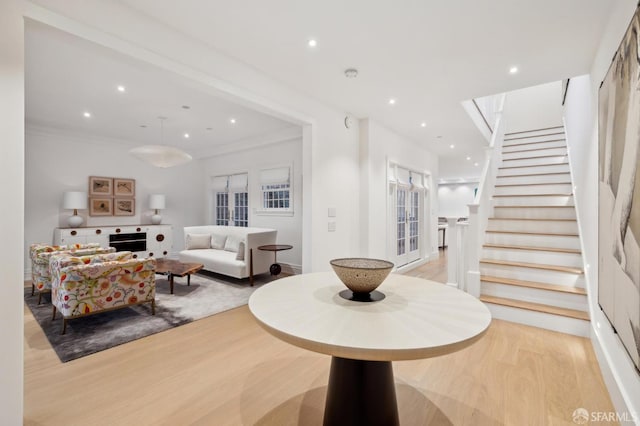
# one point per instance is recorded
(482, 206)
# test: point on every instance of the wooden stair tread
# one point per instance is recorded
(532, 184)
(550, 234)
(557, 268)
(534, 130)
(535, 174)
(534, 165)
(551, 249)
(538, 307)
(535, 220)
(530, 158)
(533, 136)
(529, 143)
(532, 207)
(535, 195)
(534, 284)
(533, 149)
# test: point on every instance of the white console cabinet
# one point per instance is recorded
(142, 240)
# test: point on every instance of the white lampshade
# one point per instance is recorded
(157, 201)
(74, 200)
(161, 155)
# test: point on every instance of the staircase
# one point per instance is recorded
(531, 265)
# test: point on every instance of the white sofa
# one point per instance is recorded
(216, 247)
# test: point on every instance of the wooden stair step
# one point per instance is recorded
(535, 195)
(531, 158)
(532, 149)
(550, 234)
(533, 284)
(532, 184)
(534, 130)
(535, 174)
(538, 307)
(535, 220)
(530, 143)
(533, 207)
(533, 136)
(534, 165)
(557, 268)
(551, 249)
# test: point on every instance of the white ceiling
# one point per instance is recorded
(66, 76)
(429, 55)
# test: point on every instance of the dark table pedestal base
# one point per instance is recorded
(361, 393)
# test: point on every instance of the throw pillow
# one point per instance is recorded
(240, 255)
(232, 243)
(218, 241)
(198, 241)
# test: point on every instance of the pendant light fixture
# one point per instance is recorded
(161, 155)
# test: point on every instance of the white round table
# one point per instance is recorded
(417, 319)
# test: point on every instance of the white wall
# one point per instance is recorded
(580, 117)
(535, 107)
(287, 153)
(57, 162)
(12, 177)
(454, 198)
(378, 146)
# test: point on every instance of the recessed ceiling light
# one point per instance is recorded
(312, 42)
(351, 73)
(144, 126)
(423, 124)
(513, 70)
(186, 135)
(232, 121)
(468, 158)
(475, 164)
(439, 137)
(392, 101)
(186, 107)
(87, 114)
(452, 146)
(209, 128)
(121, 89)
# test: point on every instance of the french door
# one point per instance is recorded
(408, 209)
(231, 200)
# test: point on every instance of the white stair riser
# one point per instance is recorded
(525, 180)
(553, 227)
(555, 168)
(539, 319)
(531, 137)
(534, 132)
(574, 301)
(532, 274)
(527, 152)
(527, 200)
(533, 240)
(535, 213)
(539, 145)
(557, 188)
(534, 161)
(543, 257)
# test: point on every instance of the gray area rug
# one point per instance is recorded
(207, 295)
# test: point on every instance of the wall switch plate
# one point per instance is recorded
(332, 226)
(332, 212)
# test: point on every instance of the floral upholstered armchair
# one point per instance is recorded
(40, 255)
(92, 284)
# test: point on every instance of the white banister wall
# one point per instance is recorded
(453, 253)
(482, 207)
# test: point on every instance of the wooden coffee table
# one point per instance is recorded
(174, 268)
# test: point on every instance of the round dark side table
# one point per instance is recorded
(275, 269)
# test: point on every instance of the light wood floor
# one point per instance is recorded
(225, 370)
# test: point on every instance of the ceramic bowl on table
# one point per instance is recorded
(361, 275)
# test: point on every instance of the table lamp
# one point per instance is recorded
(74, 200)
(156, 202)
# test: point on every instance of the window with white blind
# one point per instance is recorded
(276, 192)
(230, 196)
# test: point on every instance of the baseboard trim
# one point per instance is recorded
(291, 269)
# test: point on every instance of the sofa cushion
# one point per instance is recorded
(232, 243)
(198, 241)
(218, 240)
(240, 254)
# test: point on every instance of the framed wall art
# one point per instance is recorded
(619, 192)
(100, 206)
(124, 187)
(124, 206)
(100, 186)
